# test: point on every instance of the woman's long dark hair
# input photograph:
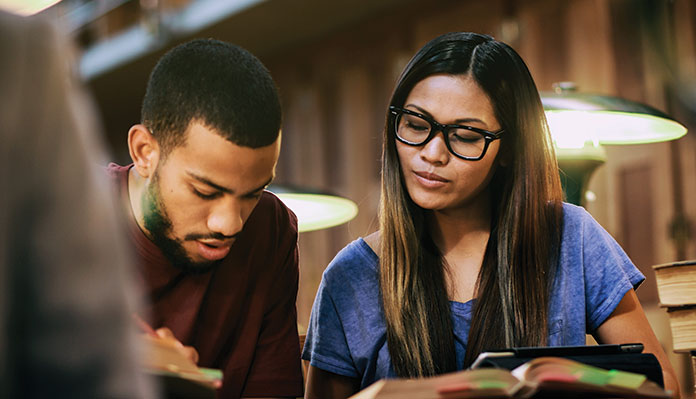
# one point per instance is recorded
(512, 291)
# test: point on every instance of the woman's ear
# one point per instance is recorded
(503, 161)
(144, 150)
(504, 156)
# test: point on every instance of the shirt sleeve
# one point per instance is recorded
(276, 369)
(326, 346)
(609, 273)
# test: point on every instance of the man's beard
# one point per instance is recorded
(159, 225)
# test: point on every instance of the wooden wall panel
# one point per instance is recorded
(684, 83)
(636, 192)
(626, 43)
(542, 41)
(589, 44)
(685, 38)
(688, 156)
(467, 16)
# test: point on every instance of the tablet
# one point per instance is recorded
(624, 357)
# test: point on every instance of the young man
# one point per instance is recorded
(217, 254)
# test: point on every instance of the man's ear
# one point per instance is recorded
(144, 150)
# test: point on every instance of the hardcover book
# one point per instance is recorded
(676, 283)
(682, 320)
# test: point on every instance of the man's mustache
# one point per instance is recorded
(215, 236)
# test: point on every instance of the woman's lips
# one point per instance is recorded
(430, 180)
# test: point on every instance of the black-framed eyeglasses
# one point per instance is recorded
(463, 141)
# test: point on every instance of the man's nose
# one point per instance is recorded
(226, 218)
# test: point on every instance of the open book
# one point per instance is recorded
(178, 374)
(544, 376)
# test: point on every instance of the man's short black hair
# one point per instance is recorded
(219, 84)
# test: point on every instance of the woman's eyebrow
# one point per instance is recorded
(458, 121)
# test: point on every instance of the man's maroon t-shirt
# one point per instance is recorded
(241, 316)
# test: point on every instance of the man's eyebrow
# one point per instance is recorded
(225, 189)
(261, 187)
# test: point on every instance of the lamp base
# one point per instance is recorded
(575, 176)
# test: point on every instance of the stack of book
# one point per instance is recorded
(676, 287)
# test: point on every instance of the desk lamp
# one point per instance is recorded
(26, 7)
(315, 210)
(581, 124)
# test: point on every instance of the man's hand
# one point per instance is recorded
(166, 334)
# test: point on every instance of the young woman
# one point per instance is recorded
(476, 249)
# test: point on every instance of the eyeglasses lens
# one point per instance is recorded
(415, 131)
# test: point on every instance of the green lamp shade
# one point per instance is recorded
(577, 118)
(26, 7)
(571, 129)
(319, 211)
(581, 123)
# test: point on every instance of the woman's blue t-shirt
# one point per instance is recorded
(347, 332)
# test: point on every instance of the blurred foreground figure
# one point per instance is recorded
(64, 303)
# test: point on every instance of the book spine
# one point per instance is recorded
(693, 368)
